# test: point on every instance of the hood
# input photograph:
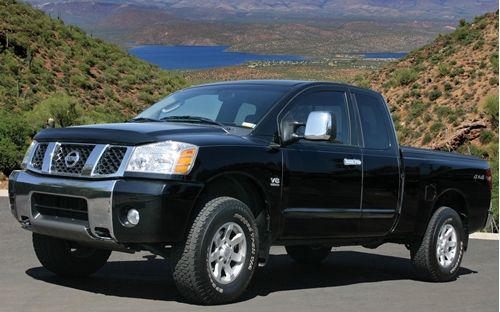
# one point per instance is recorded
(124, 133)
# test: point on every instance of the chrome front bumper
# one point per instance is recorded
(96, 229)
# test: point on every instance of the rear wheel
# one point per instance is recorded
(68, 258)
(216, 262)
(438, 256)
(308, 254)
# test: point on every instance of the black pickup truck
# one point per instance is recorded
(212, 176)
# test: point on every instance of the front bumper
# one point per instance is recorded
(92, 211)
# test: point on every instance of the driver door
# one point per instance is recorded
(322, 179)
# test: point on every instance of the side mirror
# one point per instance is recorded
(321, 126)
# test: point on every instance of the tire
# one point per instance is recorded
(67, 258)
(438, 256)
(308, 254)
(217, 260)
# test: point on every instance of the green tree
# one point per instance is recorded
(64, 109)
(14, 140)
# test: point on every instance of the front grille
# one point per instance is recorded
(37, 160)
(111, 160)
(59, 206)
(70, 158)
(78, 159)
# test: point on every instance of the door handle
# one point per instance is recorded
(352, 162)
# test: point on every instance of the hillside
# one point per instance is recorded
(439, 94)
(50, 70)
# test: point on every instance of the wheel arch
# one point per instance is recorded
(455, 200)
(248, 190)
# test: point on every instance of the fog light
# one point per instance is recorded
(133, 217)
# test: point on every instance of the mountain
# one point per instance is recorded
(313, 28)
(421, 9)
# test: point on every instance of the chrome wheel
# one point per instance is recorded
(446, 245)
(228, 252)
(437, 256)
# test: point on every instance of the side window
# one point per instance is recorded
(329, 101)
(373, 123)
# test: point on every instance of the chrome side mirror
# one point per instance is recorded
(321, 126)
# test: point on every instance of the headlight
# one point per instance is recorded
(26, 158)
(167, 157)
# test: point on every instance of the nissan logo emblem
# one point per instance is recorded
(72, 159)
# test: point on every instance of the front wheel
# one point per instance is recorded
(216, 262)
(68, 258)
(438, 256)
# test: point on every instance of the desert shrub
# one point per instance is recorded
(417, 109)
(447, 86)
(427, 138)
(436, 128)
(486, 136)
(405, 76)
(443, 69)
(490, 105)
(494, 62)
(435, 94)
(443, 111)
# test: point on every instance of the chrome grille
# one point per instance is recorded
(79, 159)
(37, 160)
(111, 160)
(70, 158)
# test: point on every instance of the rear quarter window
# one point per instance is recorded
(373, 122)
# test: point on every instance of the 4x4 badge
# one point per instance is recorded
(72, 159)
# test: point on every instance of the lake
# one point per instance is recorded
(202, 57)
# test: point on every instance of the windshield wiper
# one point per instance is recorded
(192, 119)
(143, 119)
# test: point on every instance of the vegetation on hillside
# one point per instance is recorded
(50, 70)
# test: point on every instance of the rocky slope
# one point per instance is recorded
(444, 95)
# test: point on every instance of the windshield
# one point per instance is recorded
(228, 105)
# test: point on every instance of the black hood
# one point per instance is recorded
(123, 133)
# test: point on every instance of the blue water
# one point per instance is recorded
(202, 57)
(196, 57)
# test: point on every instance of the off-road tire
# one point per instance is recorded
(67, 258)
(438, 256)
(221, 240)
(308, 254)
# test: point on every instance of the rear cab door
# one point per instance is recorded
(382, 175)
